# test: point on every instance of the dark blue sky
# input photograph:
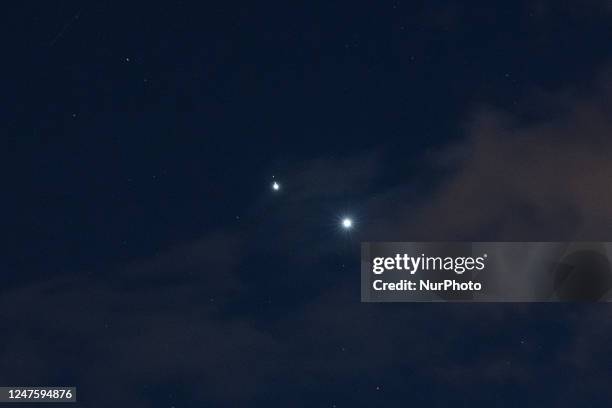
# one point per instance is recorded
(140, 143)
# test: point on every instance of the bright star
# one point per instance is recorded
(347, 223)
(275, 186)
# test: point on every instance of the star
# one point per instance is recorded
(347, 223)
(275, 186)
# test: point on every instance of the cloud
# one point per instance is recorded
(263, 311)
(157, 321)
(542, 174)
(515, 178)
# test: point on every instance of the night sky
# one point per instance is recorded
(148, 261)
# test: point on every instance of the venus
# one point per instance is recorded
(347, 223)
